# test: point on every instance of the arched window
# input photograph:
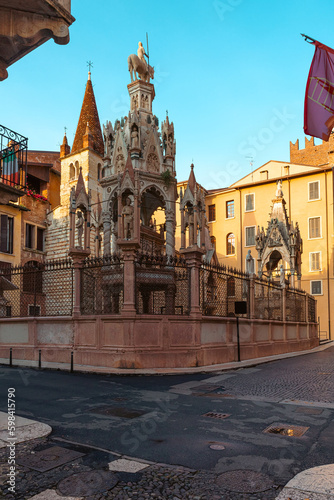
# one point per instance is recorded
(230, 244)
(99, 168)
(77, 169)
(72, 171)
(213, 242)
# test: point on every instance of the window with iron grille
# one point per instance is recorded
(315, 261)
(230, 209)
(230, 244)
(314, 228)
(212, 213)
(316, 287)
(250, 236)
(250, 202)
(314, 190)
(34, 310)
(6, 233)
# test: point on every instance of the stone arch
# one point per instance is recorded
(152, 198)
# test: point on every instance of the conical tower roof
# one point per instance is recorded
(89, 114)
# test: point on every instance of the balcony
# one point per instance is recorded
(13, 165)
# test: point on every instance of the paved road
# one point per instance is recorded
(162, 418)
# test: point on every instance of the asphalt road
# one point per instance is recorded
(163, 418)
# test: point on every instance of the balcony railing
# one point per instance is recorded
(13, 159)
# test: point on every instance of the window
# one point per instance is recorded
(30, 236)
(316, 287)
(230, 209)
(99, 168)
(250, 236)
(314, 190)
(40, 239)
(34, 237)
(314, 228)
(34, 184)
(315, 261)
(33, 277)
(213, 242)
(212, 213)
(230, 244)
(249, 202)
(6, 234)
(72, 171)
(34, 310)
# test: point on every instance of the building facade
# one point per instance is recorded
(240, 214)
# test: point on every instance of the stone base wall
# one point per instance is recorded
(147, 342)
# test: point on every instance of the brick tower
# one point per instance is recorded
(84, 162)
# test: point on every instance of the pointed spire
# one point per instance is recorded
(89, 114)
(192, 180)
(129, 168)
(64, 148)
(80, 184)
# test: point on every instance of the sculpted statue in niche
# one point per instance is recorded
(249, 263)
(127, 214)
(144, 101)
(134, 137)
(153, 162)
(120, 163)
(79, 225)
(135, 102)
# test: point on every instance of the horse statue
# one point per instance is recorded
(136, 65)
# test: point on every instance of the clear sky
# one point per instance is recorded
(231, 73)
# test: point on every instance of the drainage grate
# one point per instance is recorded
(213, 414)
(48, 459)
(117, 412)
(309, 411)
(286, 430)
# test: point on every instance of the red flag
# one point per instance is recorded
(319, 96)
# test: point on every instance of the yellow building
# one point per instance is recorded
(237, 214)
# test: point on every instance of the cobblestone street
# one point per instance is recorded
(199, 437)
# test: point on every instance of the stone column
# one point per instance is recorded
(170, 233)
(193, 257)
(251, 297)
(183, 230)
(106, 232)
(78, 257)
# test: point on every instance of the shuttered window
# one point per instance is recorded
(315, 261)
(250, 202)
(314, 190)
(6, 234)
(314, 227)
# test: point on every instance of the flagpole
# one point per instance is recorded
(307, 38)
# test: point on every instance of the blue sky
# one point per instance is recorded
(232, 74)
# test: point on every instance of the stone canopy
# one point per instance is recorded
(280, 244)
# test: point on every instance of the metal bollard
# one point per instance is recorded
(10, 357)
(39, 359)
(71, 361)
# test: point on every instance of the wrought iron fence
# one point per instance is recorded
(37, 289)
(220, 288)
(13, 158)
(102, 285)
(311, 309)
(295, 305)
(268, 301)
(162, 285)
